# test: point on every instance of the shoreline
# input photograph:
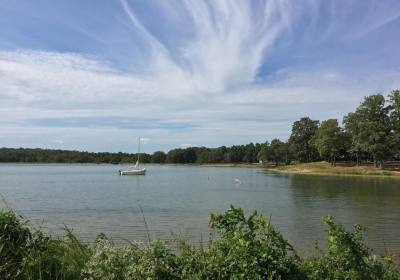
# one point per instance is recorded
(397, 176)
(168, 164)
(325, 169)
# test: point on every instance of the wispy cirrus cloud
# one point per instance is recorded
(227, 73)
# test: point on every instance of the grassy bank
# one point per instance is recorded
(245, 248)
(321, 168)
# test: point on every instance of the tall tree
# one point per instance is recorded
(328, 139)
(285, 152)
(257, 151)
(302, 131)
(265, 152)
(394, 100)
(375, 127)
(250, 153)
(175, 156)
(276, 152)
(352, 124)
(158, 157)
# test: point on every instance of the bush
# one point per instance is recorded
(250, 248)
(14, 238)
(27, 255)
(245, 248)
(137, 261)
(348, 257)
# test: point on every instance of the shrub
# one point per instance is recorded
(348, 257)
(14, 237)
(27, 255)
(250, 248)
(245, 248)
(137, 261)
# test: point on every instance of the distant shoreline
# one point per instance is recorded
(256, 165)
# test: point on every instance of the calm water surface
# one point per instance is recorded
(94, 198)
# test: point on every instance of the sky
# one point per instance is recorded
(96, 75)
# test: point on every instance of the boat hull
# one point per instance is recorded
(133, 172)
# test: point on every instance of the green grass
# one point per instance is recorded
(304, 167)
(327, 168)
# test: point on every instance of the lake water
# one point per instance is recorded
(94, 198)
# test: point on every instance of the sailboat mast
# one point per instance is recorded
(138, 155)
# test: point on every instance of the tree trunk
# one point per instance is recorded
(375, 163)
(334, 161)
(381, 164)
(358, 158)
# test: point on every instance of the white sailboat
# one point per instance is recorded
(134, 170)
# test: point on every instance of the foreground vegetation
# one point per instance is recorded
(340, 168)
(245, 248)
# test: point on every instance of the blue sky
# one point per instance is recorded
(96, 75)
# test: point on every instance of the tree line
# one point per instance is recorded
(38, 155)
(371, 133)
(198, 155)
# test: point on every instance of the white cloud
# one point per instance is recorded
(189, 145)
(58, 141)
(254, 112)
(205, 89)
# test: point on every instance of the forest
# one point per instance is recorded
(371, 133)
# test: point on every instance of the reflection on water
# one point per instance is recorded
(94, 198)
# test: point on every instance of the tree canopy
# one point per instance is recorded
(302, 131)
(328, 139)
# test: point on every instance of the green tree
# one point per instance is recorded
(158, 157)
(328, 139)
(302, 131)
(394, 100)
(250, 153)
(189, 155)
(284, 151)
(237, 153)
(217, 155)
(375, 127)
(175, 156)
(264, 154)
(352, 124)
(276, 153)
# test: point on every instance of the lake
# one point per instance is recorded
(94, 198)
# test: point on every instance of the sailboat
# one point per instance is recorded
(134, 170)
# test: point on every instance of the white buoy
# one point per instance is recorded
(237, 180)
